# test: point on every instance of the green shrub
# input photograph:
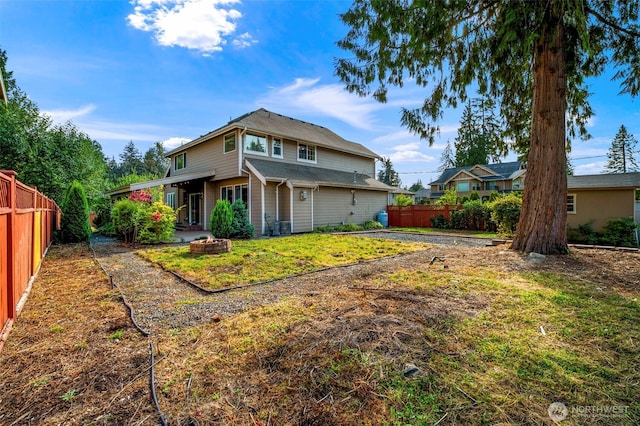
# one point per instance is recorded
(440, 222)
(221, 220)
(125, 216)
(75, 215)
(371, 225)
(348, 227)
(242, 228)
(325, 228)
(156, 223)
(403, 200)
(505, 212)
(620, 233)
(450, 196)
(102, 208)
(583, 234)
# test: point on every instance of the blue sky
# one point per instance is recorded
(171, 70)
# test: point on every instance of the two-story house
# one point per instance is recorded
(293, 176)
(481, 178)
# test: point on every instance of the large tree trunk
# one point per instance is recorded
(542, 225)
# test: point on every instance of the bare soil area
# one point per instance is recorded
(74, 356)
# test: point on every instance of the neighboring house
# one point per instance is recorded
(482, 178)
(288, 171)
(423, 196)
(596, 199)
(397, 191)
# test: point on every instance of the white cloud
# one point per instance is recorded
(413, 146)
(202, 25)
(174, 142)
(244, 40)
(410, 156)
(305, 95)
(594, 168)
(64, 115)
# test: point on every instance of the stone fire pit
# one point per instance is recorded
(210, 246)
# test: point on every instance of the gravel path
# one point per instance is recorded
(450, 240)
(161, 301)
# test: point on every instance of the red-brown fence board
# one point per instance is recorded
(27, 222)
(419, 215)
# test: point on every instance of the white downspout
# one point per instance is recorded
(290, 186)
(263, 226)
(277, 200)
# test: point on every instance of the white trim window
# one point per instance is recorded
(180, 161)
(254, 144)
(571, 203)
(232, 193)
(170, 200)
(462, 186)
(230, 142)
(307, 153)
(276, 148)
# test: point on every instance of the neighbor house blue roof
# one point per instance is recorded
(500, 170)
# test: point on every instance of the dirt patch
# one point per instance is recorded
(74, 358)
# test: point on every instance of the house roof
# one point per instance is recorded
(617, 180)
(500, 171)
(173, 179)
(311, 176)
(423, 193)
(267, 122)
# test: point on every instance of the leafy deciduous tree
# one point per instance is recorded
(532, 57)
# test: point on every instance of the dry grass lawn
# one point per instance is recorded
(483, 337)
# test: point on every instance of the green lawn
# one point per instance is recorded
(266, 259)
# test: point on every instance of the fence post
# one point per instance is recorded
(11, 245)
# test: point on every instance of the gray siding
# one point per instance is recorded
(255, 199)
(302, 211)
(209, 202)
(270, 203)
(328, 159)
(334, 206)
(209, 156)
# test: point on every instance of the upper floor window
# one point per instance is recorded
(307, 153)
(276, 148)
(230, 142)
(180, 161)
(255, 144)
(571, 203)
(463, 186)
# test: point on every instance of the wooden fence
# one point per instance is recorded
(419, 215)
(27, 222)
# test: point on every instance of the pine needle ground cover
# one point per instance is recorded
(267, 259)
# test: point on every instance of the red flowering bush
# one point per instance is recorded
(142, 196)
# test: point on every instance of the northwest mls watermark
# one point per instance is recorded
(558, 411)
